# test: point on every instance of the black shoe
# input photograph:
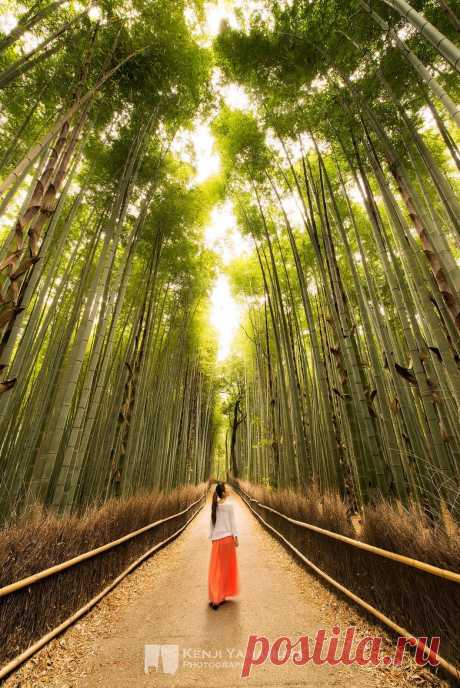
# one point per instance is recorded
(215, 607)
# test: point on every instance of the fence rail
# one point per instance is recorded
(16, 662)
(34, 578)
(450, 668)
(400, 558)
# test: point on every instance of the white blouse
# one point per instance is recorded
(225, 521)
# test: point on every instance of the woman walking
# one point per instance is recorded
(223, 578)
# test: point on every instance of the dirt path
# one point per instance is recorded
(165, 602)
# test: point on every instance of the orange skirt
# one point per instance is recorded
(223, 578)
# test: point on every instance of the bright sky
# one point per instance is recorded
(8, 22)
(222, 234)
(223, 237)
(219, 11)
(225, 315)
(206, 159)
(293, 208)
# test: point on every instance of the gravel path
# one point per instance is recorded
(165, 602)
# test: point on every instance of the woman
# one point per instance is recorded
(223, 579)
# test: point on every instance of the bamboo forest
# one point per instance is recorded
(229, 251)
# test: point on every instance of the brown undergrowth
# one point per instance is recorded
(41, 539)
(424, 604)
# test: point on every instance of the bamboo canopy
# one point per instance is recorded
(332, 156)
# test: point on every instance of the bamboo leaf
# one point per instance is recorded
(407, 374)
(9, 260)
(436, 352)
(7, 385)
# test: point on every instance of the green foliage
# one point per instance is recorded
(351, 291)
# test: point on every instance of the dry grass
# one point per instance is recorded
(411, 532)
(323, 510)
(422, 603)
(42, 539)
(391, 526)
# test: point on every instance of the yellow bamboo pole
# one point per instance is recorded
(402, 632)
(30, 580)
(35, 151)
(20, 659)
(400, 558)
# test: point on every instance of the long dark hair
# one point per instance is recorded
(218, 492)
